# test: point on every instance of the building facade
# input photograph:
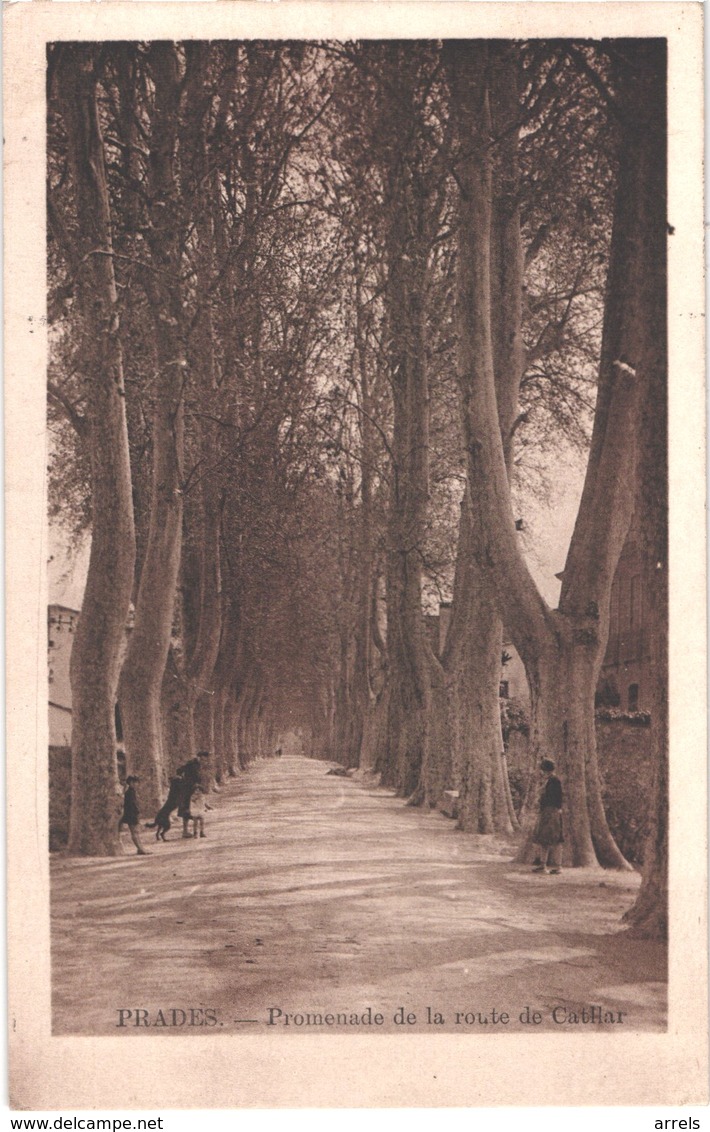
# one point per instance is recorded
(62, 623)
(61, 627)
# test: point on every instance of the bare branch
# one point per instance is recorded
(75, 418)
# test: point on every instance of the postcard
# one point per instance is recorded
(355, 496)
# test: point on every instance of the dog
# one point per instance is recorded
(161, 825)
(162, 822)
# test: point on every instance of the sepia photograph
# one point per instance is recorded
(355, 542)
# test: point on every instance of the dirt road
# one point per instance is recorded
(320, 904)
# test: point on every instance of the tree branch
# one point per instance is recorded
(79, 422)
(577, 56)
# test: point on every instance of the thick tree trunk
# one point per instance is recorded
(248, 703)
(562, 728)
(95, 659)
(342, 752)
(170, 707)
(208, 498)
(202, 657)
(220, 743)
(410, 656)
(472, 656)
(205, 733)
(413, 208)
(355, 693)
(472, 660)
(410, 698)
(562, 651)
(363, 696)
(649, 915)
(252, 722)
(142, 675)
(226, 673)
(507, 257)
(231, 736)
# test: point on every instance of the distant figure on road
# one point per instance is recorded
(191, 777)
(198, 805)
(131, 813)
(548, 831)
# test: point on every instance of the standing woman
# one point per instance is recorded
(131, 813)
(548, 831)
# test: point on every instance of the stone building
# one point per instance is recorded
(61, 626)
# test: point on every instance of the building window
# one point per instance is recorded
(633, 697)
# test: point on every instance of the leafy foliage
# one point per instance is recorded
(302, 168)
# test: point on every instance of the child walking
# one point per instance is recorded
(198, 805)
(131, 813)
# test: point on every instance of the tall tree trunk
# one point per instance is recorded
(471, 660)
(208, 498)
(248, 701)
(141, 679)
(410, 655)
(231, 741)
(220, 737)
(363, 696)
(345, 619)
(413, 202)
(562, 650)
(95, 659)
(226, 670)
(649, 915)
(203, 657)
(407, 646)
(472, 656)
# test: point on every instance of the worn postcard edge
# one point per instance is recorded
(49, 1072)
